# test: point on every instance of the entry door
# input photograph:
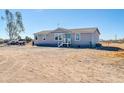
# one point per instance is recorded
(68, 38)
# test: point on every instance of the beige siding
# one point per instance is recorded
(95, 38)
(49, 39)
(85, 39)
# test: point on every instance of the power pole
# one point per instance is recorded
(115, 36)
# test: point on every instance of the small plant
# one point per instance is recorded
(1, 41)
(28, 39)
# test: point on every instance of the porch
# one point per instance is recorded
(64, 39)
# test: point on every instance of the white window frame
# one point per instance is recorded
(39, 36)
(76, 36)
(57, 34)
(43, 37)
(36, 37)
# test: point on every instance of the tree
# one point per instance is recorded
(19, 37)
(19, 24)
(14, 24)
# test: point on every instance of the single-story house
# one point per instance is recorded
(80, 37)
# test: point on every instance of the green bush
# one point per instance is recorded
(1, 41)
(28, 39)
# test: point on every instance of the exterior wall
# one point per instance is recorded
(48, 41)
(86, 39)
(95, 38)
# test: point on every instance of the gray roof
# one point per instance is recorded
(59, 30)
(43, 32)
(85, 30)
(80, 30)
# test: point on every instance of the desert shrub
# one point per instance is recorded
(1, 41)
(28, 39)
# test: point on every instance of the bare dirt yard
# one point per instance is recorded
(50, 64)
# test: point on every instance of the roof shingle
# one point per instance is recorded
(80, 30)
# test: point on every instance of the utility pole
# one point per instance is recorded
(115, 36)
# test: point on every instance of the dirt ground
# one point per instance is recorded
(50, 64)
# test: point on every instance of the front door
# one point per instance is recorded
(68, 38)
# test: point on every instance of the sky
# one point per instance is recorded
(109, 22)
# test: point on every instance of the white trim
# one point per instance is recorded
(57, 34)
(35, 37)
(79, 36)
(44, 37)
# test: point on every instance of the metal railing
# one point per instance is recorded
(66, 41)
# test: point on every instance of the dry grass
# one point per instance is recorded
(117, 54)
(45, 64)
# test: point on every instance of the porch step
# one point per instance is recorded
(63, 44)
(59, 45)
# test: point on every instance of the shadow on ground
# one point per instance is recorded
(110, 48)
(107, 48)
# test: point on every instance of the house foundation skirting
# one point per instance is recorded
(73, 46)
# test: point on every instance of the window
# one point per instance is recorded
(35, 37)
(39, 36)
(77, 36)
(44, 37)
(58, 36)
